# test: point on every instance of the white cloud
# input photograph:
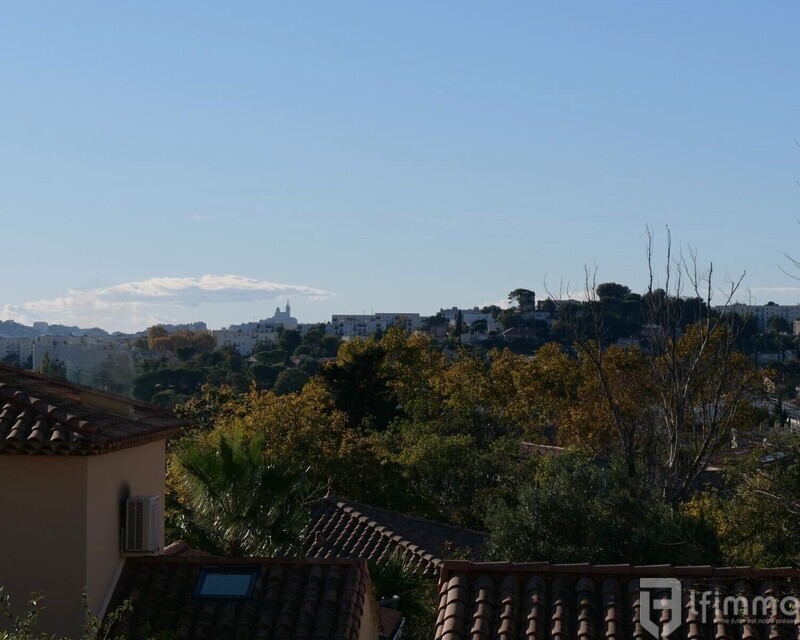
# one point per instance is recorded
(137, 304)
(503, 303)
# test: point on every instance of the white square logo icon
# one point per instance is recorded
(656, 595)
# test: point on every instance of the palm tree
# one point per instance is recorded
(416, 594)
(233, 500)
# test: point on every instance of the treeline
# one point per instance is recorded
(184, 361)
(611, 314)
(619, 313)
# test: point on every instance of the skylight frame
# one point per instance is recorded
(226, 570)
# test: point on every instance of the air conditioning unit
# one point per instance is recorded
(143, 524)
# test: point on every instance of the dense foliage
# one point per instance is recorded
(555, 460)
(180, 363)
(24, 625)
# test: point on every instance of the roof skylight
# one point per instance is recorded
(225, 582)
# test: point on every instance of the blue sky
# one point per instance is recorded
(368, 156)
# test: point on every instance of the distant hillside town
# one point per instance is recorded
(167, 363)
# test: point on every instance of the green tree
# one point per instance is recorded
(763, 488)
(265, 375)
(22, 626)
(525, 299)
(438, 320)
(54, 368)
(564, 514)
(312, 341)
(311, 436)
(12, 360)
(309, 366)
(777, 324)
(329, 346)
(183, 380)
(290, 381)
(459, 328)
(510, 318)
(190, 342)
(416, 601)
(154, 333)
(290, 339)
(273, 356)
(358, 383)
(612, 290)
(233, 499)
(204, 409)
(478, 326)
(692, 389)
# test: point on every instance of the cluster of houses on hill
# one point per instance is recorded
(82, 506)
(244, 337)
(92, 356)
(97, 358)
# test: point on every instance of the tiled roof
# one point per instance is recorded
(390, 620)
(180, 549)
(290, 599)
(343, 528)
(548, 602)
(41, 415)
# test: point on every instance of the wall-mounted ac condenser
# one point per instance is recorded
(142, 524)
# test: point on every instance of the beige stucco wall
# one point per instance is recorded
(110, 480)
(370, 618)
(43, 534)
(60, 522)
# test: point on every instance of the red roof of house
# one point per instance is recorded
(547, 601)
(348, 529)
(290, 598)
(42, 415)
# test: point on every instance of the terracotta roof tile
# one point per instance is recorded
(41, 415)
(180, 549)
(299, 599)
(346, 529)
(603, 602)
(390, 620)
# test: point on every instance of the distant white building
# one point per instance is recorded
(41, 327)
(103, 363)
(245, 337)
(20, 347)
(353, 326)
(283, 318)
(763, 313)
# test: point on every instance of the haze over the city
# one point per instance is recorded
(205, 161)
